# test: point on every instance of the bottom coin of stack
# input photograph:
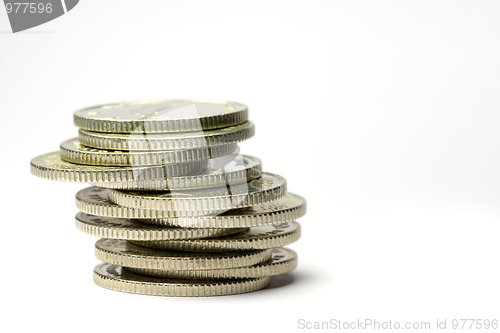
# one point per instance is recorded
(235, 252)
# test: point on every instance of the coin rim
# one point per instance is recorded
(164, 125)
(189, 262)
(118, 174)
(209, 288)
(228, 243)
(140, 158)
(206, 204)
(270, 217)
(112, 141)
(268, 268)
(149, 232)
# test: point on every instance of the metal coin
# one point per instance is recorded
(283, 261)
(289, 208)
(50, 166)
(255, 238)
(267, 188)
(161, 116)
(123, 253)
(73, 151)
(94, 200)
(119, 279)
(239, 169)
(167, 141)
(128, 229)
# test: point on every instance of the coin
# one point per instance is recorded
(119, 279)
(94, 200)
(128, 229)
(73, 151)
(161, 116)
(221, 171)
(240, 169)
(289, 208)
(167, 141)
(268, 187)
(51, 166)
(255, 238)
(123, 253)
(284, 260)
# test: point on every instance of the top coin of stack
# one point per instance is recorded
(182, 212)
(161, 116)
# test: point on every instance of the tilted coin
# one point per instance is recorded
(161, 116)
(289, 208)
(73, 151)
(256, 238)
(240, 169)
(51, 166)
(119, 228)
(123, 253)
(119, 279)
(268, 187)
(167, 141)
(284, 260)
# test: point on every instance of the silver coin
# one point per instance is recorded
(94, 200)
(267, 188)
(50, 166)
(73, 151)
(289, 208)
(256, 238)
(128, 229)
(161, 116)
(167, 141)
(284, 260)
(124, 253)
(119, 279)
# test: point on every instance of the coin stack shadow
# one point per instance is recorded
(180, 211)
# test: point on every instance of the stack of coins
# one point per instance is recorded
(181, 212)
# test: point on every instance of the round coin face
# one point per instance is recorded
(161, 116)
(123, 253)
(283, 261)
(73, 151)
(266, 237)
(119, 279)
(167, 141)
(128, 229)
(268, 187)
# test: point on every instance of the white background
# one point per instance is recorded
(383, 114)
